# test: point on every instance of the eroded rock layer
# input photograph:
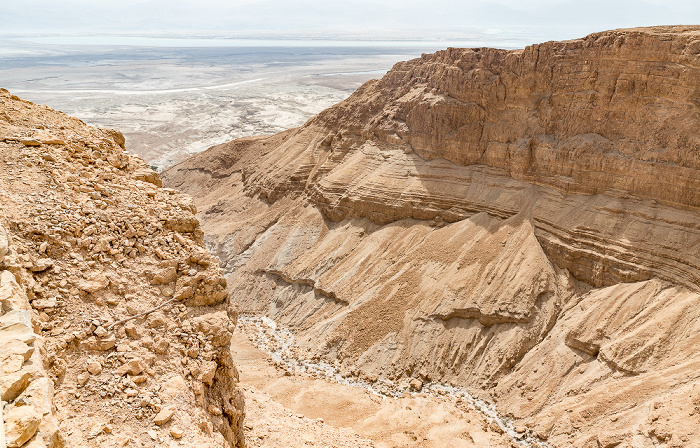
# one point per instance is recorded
(115, 322)
(521, 223)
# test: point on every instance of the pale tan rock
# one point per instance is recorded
(21, 423)
(42, 264)
(12, 297)
(96, 429)
(161, 345)
(42, 304)
(133, 367)
(29, 142)
(4, 243)
(82, 378)
(117, 136)
(208, 371)
(146, 174)
(416, 384)
(39, 394)
(165, 276)
(11, 363)
(164, 415)
(95, 368)
(93, 283)
(131, 392)
(176, 432)
(133, 331)
(48, 139)
(100, 332)
(12, 384)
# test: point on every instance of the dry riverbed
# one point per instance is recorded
(301, 410)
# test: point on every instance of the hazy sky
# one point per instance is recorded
(404, 18)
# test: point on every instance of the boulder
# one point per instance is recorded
(21, 423)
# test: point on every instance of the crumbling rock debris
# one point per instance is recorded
(89, 242)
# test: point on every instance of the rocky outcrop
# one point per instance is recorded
(520, 223)
(26, 392)
(116, 317)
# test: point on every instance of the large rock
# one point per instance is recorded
(21, 423)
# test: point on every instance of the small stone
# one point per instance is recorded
(133, 367)
(106, 343)
(214, 410)
(161, 345)
(41, 304)
(94, 368)
(164, 415)
(100, 332)
(156, 320)
(208, 370)
(29, 142)
(82, 378)
(48, 139)
(177, 432)
(131, 392)
(96, 430)
(165, 276)
(94, 283)
(41, 265)
(133, 331)
(416, 384)
(123, 440)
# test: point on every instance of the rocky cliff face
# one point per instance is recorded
(521, 223)
(115, 322)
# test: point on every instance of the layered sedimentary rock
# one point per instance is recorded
(520, 223)
(115, 322)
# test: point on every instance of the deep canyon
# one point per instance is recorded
(512, 227)
(523, 224)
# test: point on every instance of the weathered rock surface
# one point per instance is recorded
(521, 223)
(91, 247)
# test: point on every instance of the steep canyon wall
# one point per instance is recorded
(520, 223)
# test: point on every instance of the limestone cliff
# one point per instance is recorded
(115, 322)
(521, 223)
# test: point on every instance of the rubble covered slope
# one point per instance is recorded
(521, 223)
(89, 243)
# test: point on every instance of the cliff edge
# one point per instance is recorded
(115, 321)
(520, 223)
